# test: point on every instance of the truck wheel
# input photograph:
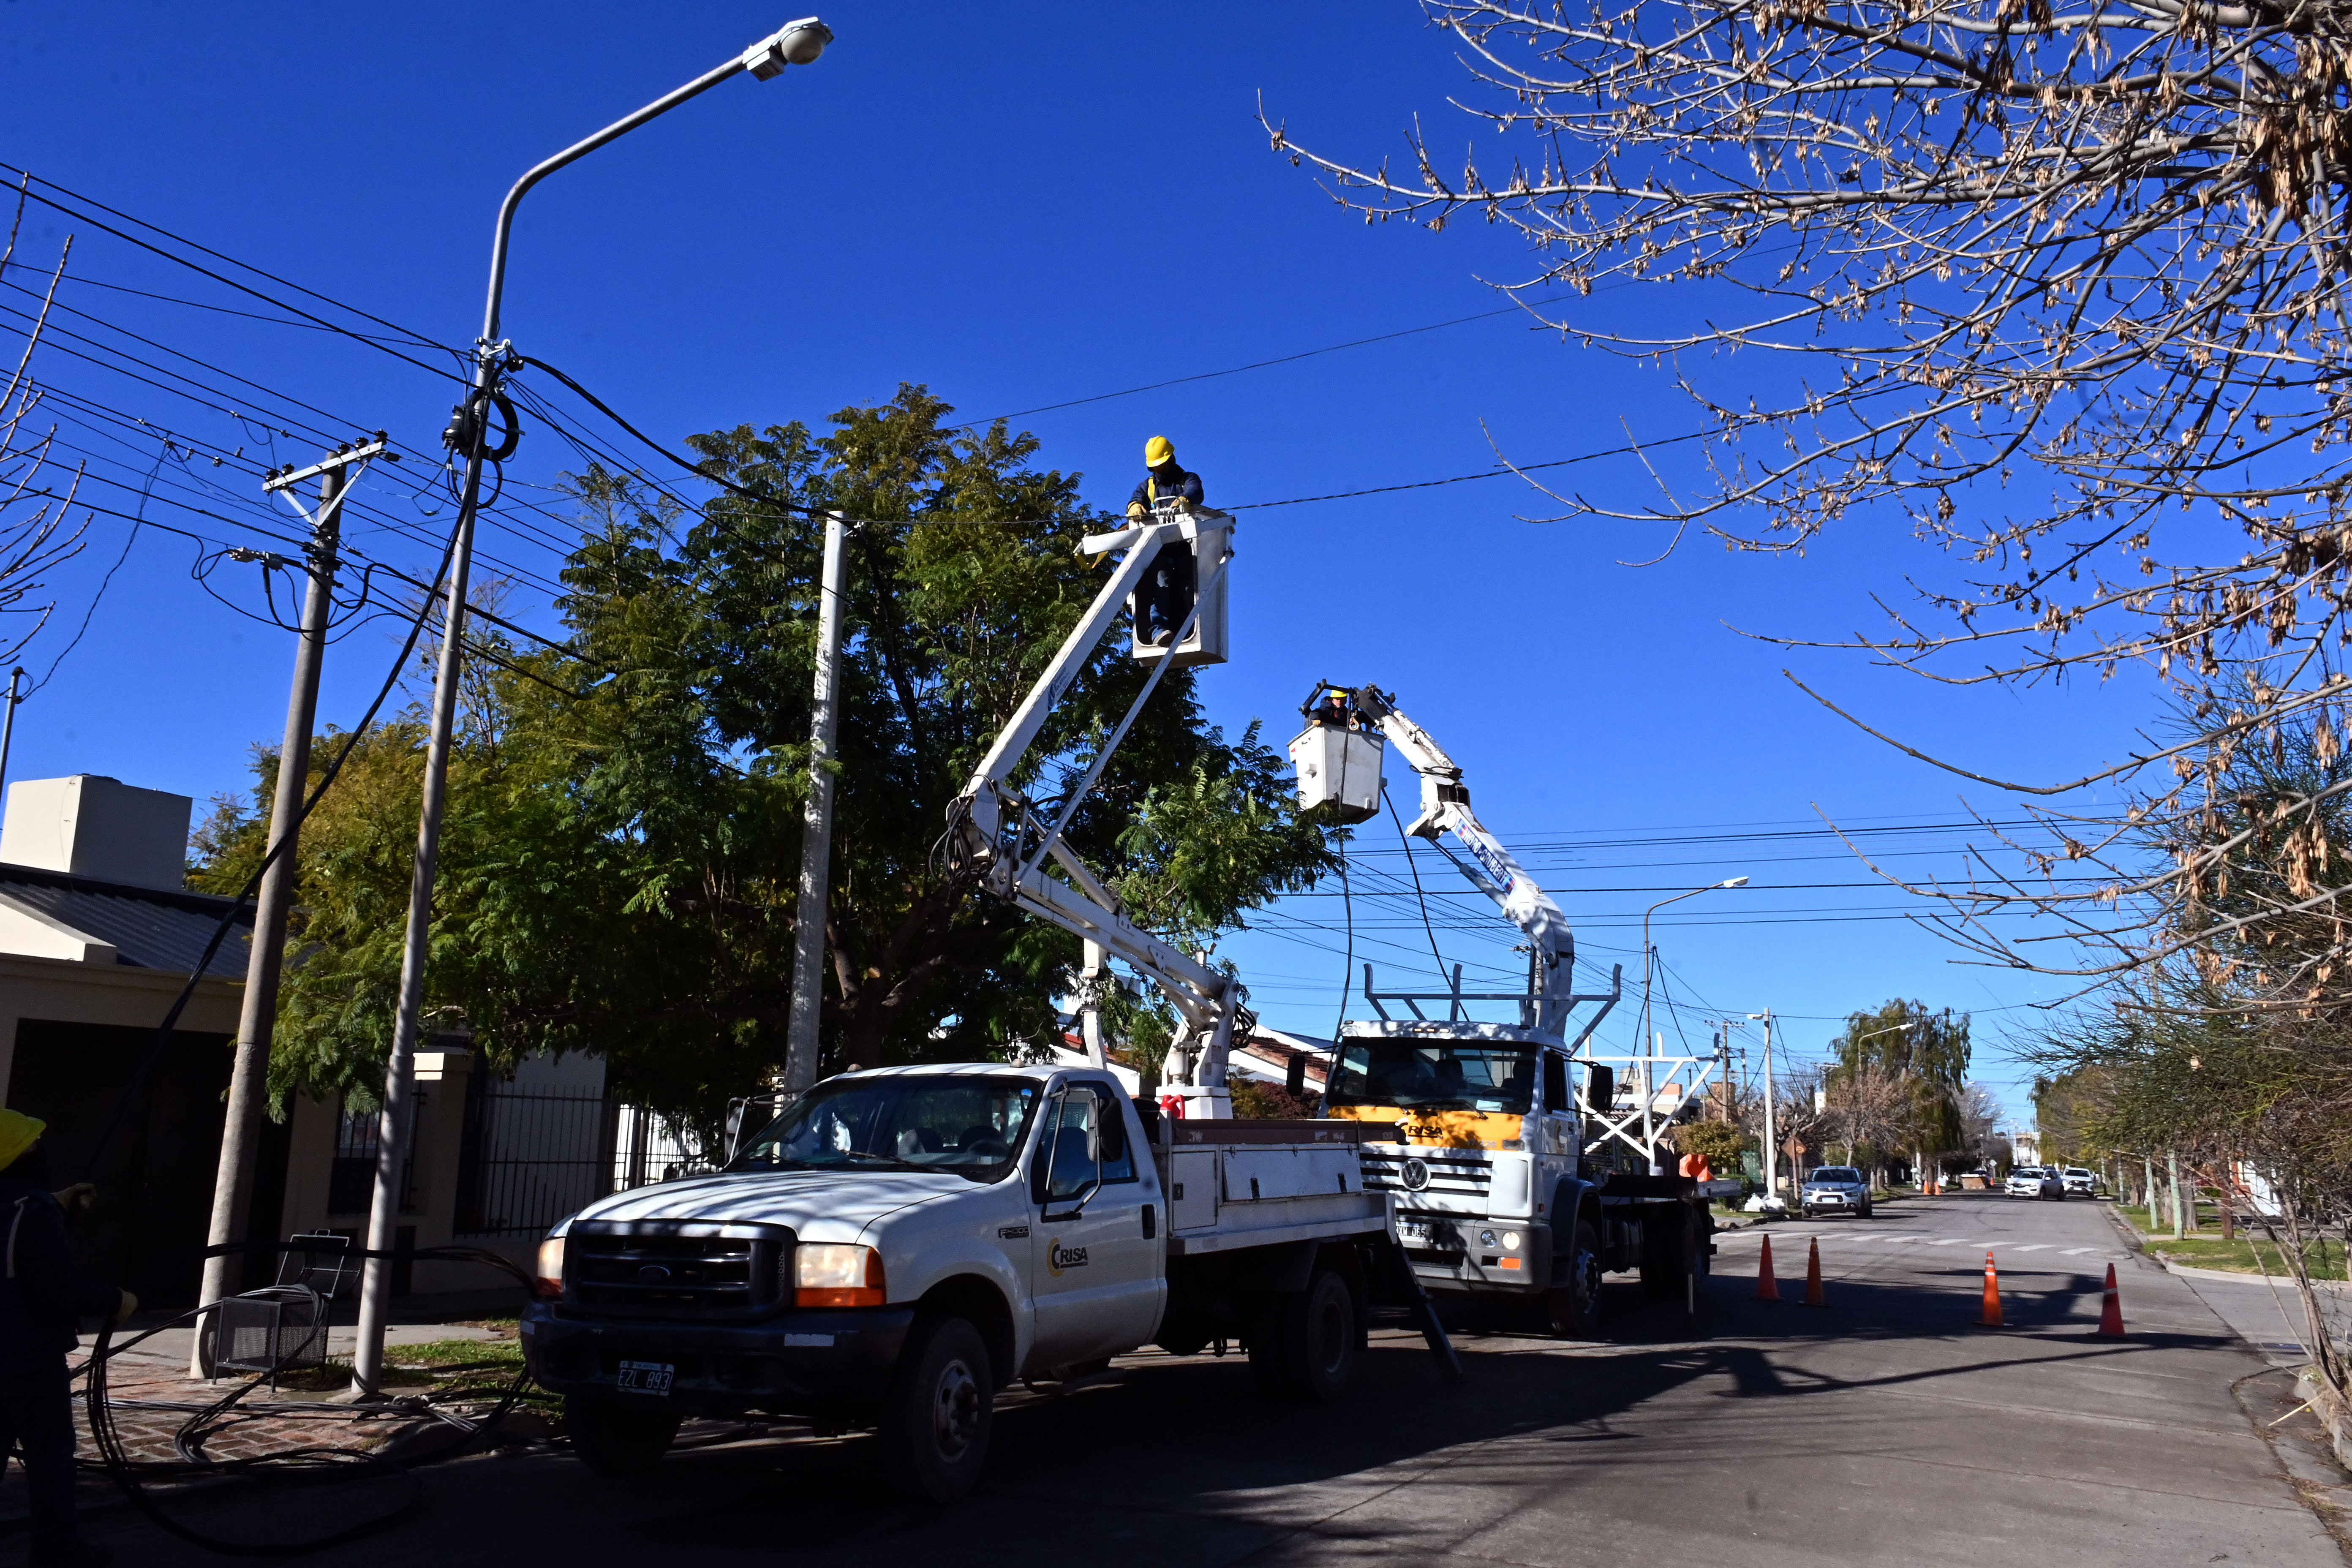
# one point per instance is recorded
(1571, 1307)
(1304, 1343)
(614, 1441)
(1668, 1255)
(936, 1422)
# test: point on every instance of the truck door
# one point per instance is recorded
(1095, 1276)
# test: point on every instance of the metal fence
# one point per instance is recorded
(351, 1179)
(648, 1147)
(532, 1156)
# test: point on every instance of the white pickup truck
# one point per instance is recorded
(903, 1243)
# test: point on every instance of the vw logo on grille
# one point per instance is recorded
(653, 1274)
(1414, 1175)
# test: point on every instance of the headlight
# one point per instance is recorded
(551, 1266)
(1511, 1240)
(1486, 1238)
(837, 1273)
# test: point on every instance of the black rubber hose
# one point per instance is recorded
(302, 1464)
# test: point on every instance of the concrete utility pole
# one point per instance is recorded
(1649, 1132)
(258, 1017)
(816, 821)
(2172, 1169)
(1772, 1145)
(797, 43)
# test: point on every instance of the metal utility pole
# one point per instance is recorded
(797, 43)
(258, 1017)
(816, 821)
(8, 727)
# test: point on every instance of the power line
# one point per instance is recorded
(26, 179)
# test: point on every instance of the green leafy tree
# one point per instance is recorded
(1911, 1066)
(619, 865)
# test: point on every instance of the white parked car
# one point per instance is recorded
(2077, 1180)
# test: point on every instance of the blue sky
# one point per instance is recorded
(1019, 208)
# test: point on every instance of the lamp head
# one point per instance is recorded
(795, 43)
(1734, 882)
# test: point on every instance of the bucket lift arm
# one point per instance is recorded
(998, 832)
(1492, 868)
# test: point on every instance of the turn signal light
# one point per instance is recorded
(836, 1274)
(550, 1267)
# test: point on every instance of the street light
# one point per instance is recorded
(796, 43)
(1648, 1132)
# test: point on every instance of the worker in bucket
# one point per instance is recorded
(1167, 598)
(41, 1301)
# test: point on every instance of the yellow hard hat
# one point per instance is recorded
(18, 1133)
(1158, 450)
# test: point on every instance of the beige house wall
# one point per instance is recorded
(77, 993)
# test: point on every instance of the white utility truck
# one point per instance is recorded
(1517, 1167)
(900, 1244)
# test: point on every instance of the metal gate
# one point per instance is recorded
(530, 1157)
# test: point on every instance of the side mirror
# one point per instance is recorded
(1599, 1088)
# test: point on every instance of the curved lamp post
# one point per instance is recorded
(796, 42)
(1648, 1131)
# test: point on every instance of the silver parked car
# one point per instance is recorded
(2036, 1182)
(1835, 1189)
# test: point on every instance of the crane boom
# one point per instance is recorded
(1444, 808)
(995, 829)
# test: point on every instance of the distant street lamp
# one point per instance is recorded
(1648, 1131)
(796, 42)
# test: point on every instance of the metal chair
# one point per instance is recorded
(282, 1328)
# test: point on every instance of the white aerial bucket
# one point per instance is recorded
(1338, 773)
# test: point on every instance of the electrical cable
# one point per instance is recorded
(104, 583)
(306, 1463)
(1411, 860)
(1347, 964)
(84, 280)
(229, 920)
(231, 282)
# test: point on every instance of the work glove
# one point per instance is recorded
(1134, 512)
(130, 1305)
(77, 1199)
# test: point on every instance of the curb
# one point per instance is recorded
(2243, 1276)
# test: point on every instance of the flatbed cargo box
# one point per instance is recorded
(1234, 1183)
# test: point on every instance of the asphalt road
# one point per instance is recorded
(1883, 1429)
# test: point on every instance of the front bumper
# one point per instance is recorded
(795, 1363)
(1831, 1201)
(1447, 1253)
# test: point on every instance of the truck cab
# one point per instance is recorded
(1478, 1132)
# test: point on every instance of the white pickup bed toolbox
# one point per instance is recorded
(1234, 1184)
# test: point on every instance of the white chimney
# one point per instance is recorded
(91, 825)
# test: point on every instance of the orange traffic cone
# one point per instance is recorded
(1990, 1317)
(1766, 1288)
(2111, 1316)
(1814, 1297)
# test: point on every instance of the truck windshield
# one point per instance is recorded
(1436, 1075)
(970, 1126)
